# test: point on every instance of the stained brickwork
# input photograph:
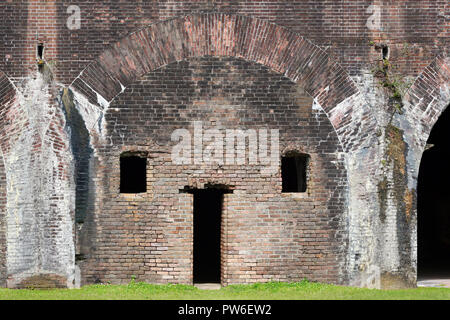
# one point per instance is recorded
(7, 95)
(2, 223)
(37, 217)
(65, 123)
(268, 235)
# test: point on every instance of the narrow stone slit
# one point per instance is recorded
(40, 50)
(385, 52)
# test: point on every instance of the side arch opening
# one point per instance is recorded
(433, 203)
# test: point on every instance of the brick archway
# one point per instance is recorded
(7, 92)
(426, 101)
(429, 95)
(249, 38)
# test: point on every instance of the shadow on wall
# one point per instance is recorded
(82, 152)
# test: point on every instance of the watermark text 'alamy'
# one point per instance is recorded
(227, 147)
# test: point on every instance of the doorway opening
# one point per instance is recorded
(207, 226)
(208, 207)
(433, 203)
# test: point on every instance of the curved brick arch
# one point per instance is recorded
(229, 35)
(8, 95)
(430, 95)
(7, 89)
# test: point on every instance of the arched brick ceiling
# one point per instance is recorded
(243, 37)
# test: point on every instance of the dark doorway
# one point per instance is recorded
(207, 226)
(433, 203)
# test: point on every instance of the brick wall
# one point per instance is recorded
(2, 223)
(7, 94)
(225, 35)
(37, 216)
(337, 26)
(323, 46)
(269, 235)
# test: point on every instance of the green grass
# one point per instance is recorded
(303, 290)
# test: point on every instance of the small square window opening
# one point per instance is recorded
(133, 174)
(294, 172)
